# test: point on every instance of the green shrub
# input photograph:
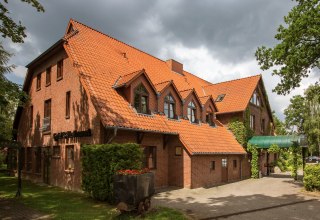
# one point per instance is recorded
(311, 178)
(100, 162)
(254, 161)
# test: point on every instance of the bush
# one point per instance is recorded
(100, 163)
(254, 161)
(311, 178)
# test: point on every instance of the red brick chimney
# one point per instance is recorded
(175, 66)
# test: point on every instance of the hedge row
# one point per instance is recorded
(311, 179)
(100, 162)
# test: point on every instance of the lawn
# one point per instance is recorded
(62, 204)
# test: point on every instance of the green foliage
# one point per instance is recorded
(9, 28)
(2, 159)
(295, 150)
(311, 179)
(254, 161)
(312, 117)
(279, 126)
(298, 49)
(100, 162)
(295, 114)
(274, 149)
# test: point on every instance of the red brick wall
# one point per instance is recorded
(82, 117)
(226, 118)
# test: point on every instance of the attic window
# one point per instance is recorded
(70, 29)
(220, 97)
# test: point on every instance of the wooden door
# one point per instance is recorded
(224, 170)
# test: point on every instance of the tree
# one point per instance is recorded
(312, 117)
(299, 48)
(279, 126)
(295, 114)
(11, 94)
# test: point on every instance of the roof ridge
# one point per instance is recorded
(131, 73)
(163, 82)
(233, 80)
(186, 90)
(100, 32)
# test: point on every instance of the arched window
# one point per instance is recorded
(141, 102)
(169, 106)
(192, 112)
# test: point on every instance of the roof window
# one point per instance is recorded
(220, 97)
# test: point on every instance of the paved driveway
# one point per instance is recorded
(276, 197)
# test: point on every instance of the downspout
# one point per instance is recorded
(115, 132)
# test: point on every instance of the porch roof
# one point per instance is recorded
(282, 141)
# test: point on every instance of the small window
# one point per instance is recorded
(48, 76)
(60, 70)
(169, 106)
(150, 157)
(252, 122)
(31, 116)
(234, 164)
(209, 117)
(213, 165)
(224, 162)
(220, 97)
(69, 157)
(68, 104)
(38, 86)
(38, 160)
(29, 159)
(56, 151)
(46, 125)
(178, 151)
(141, 102)
(192, 110)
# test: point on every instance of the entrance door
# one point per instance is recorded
(224, 170)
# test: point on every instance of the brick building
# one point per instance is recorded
(91, 88)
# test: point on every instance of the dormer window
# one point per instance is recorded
(209, 117)
(169, 106)
(141, 102)
(255, 99)
(192, 112)
(220, 97)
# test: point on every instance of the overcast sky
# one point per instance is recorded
(214, 39)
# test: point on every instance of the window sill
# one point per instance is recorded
(37, 174)
(38, 89)
(49, 84)
(56, 157)
(67, 117)
(60, 78)
(46, 132)
(70, 171)
(145, 114)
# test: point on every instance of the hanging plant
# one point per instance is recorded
(274, 148)
(254, 161)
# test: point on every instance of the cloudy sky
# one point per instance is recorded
(214, 39)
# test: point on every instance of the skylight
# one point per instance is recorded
(220, 97)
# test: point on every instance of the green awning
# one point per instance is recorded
(281, 141)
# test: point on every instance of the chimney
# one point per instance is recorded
(175, 66)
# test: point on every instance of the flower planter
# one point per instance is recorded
(133, 191)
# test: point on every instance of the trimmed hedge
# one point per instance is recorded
(100, 163)
(311, 178)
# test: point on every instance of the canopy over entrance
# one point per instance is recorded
(287, 141)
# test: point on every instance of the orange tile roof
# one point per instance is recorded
(237, 93)
(161, 86)
(105, 62)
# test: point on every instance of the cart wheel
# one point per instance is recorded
(141, 208)
(147, 204)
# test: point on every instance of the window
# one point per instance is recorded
(178, 151)
(60, 70)
(224, 162)
(31, 116)
(69, 157)
(255, 99)
(234, 164)
(141, 99)
(263, 125)
(29, 159)
(56, 151)
(192, 112)
(46, 126)
(68, 104)
(48, 76)
(209, 117)
(213, 165)
(38, 160)
(150, 157)
(252, 122)
(169, 106)
(258, 101)
(38, 86)
(220, 97)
